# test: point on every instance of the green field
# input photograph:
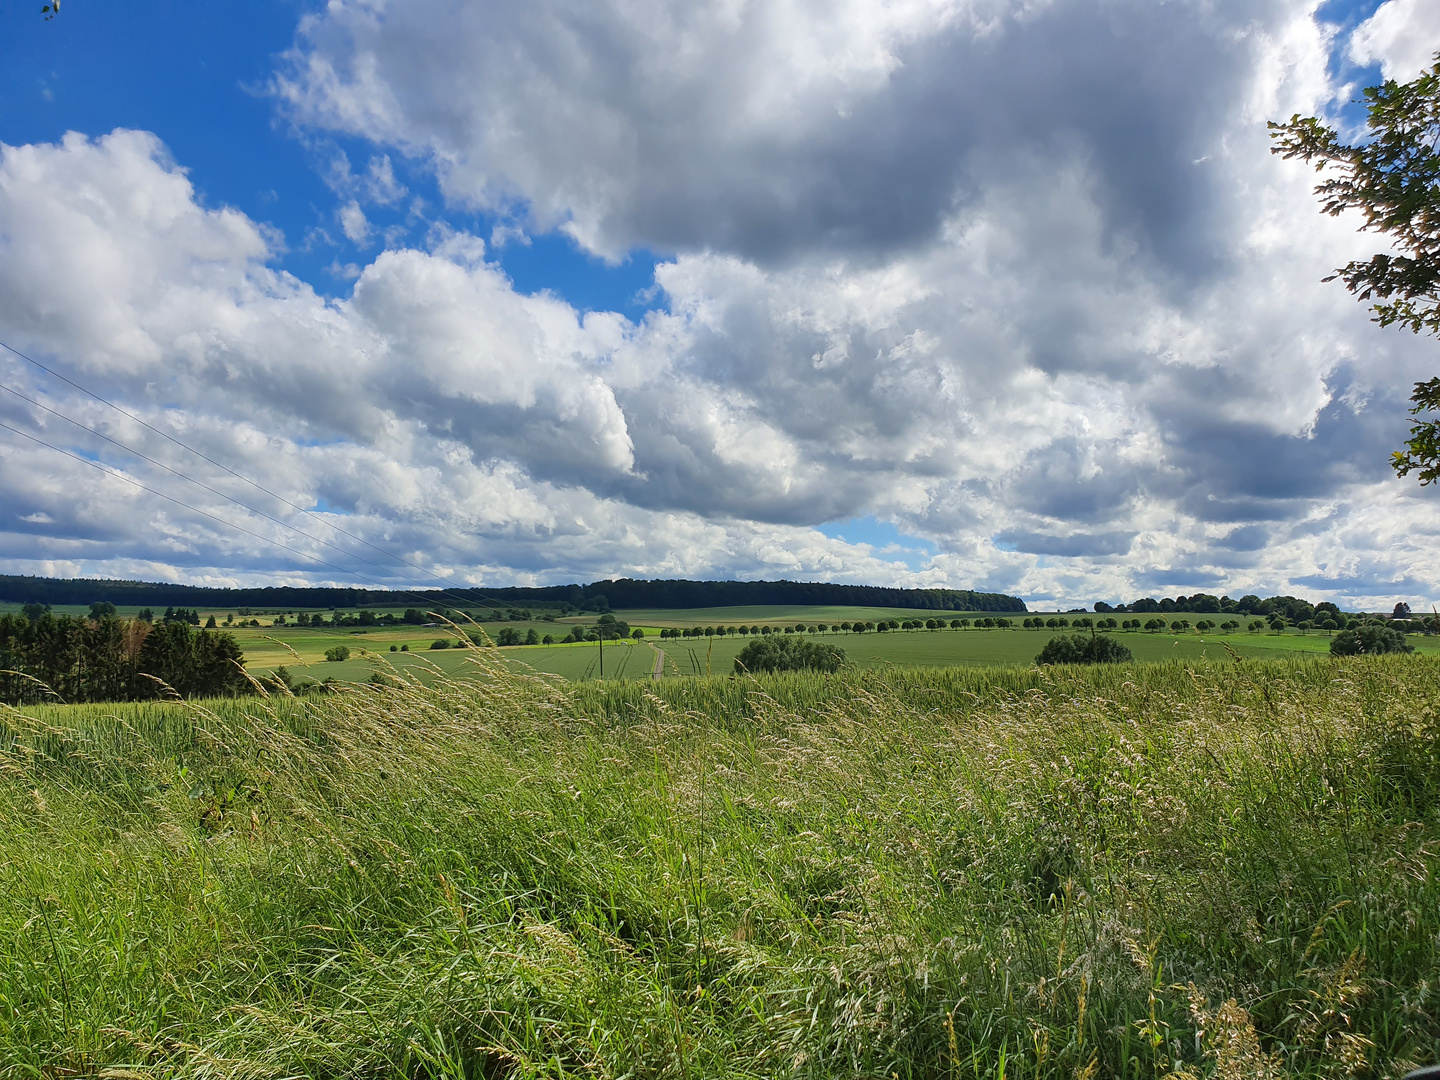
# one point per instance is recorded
(301, 650)
(688, 656)
(623, 660)
(1158, 870)
(925, 648)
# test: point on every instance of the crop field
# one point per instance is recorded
(301, 650)
(371, 653)
(1171, 870)
(924, 648)
(686, 657)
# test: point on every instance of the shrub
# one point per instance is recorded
(440, 643)
(1080, 649)
(338, 653)
(780, 653)
(1371, 638)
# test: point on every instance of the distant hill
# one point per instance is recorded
(622, 594)
(627, 593)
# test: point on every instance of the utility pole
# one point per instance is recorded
(602, 654)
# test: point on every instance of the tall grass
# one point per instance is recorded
(1129, 872)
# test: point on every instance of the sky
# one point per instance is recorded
(996, 294)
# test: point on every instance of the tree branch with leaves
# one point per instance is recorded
(1392, 176)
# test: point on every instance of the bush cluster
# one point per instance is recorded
(1369, 638)
(1084, 649)
(781, 653)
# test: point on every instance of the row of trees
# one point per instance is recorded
(857, 627)
(510, 635)
(606, 628)
(74, 659)
(1292, 608)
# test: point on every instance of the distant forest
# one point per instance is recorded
(622, 594)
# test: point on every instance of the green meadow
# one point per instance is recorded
(302, 650)
(943, 648)
(1208, 868)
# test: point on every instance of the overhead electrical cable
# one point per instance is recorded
(442, 592)
(205, 457)
(117, 474)
(198, 483)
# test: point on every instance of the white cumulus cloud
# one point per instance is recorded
(1021, 279)
(1402, 36)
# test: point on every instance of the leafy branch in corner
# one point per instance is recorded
(1393, 179)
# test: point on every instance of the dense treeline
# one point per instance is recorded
(597, 596)
(45, 656)
(84, 591)
(1292, 608)
(627, 593)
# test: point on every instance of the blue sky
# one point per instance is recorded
(196, 75)
(815, 291)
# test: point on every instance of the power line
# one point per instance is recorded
(117, 474)
(185, 476)
(206, 457)
(443, 592)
